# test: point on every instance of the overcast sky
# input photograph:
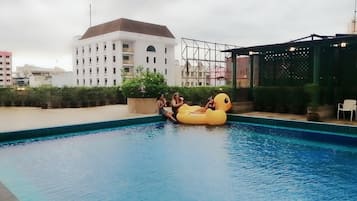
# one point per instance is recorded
(40, 32)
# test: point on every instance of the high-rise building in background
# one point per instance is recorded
(5, 69)
(107, 54)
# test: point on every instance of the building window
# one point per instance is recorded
(76, 51)
(113, 46)
(77, 71)
(97, 47)
(7, 63)
(105, 46)
(83, 50)
(90, 49)
(90, 61)
(127, 70)
(97, 81)
(126, 58)
(84, 71)
(114, 82)
(90, 82)
(114, 70)
(154, 60)
(165, 50)
(84, 82)
(77, 62)
(105, 81)
(165, 60)
(105, 70)
(97, 70)
(90, 71)
(77, 82)
(147, 59)
(165, 71)
(154, 70)
(83, 61)
(0, 62)
(114, 59)
(150, 48)
(97, 59)
(105, 58)
(125, 45)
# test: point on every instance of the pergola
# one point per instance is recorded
(327, 61)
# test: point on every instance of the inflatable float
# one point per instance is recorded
(188, 115)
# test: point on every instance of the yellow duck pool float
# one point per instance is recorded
(188, 115)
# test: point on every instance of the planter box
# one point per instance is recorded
(142, 105)
(322, 112)
(242, 107)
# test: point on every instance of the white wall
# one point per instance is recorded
(63, 79)
(139, 42)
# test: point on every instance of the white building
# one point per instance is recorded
(108, 53)
(36, 76)
(5, 69)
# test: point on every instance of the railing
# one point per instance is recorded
(128, 50)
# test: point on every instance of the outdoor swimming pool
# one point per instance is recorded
(164, 161)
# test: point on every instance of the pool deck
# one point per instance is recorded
(25, 118)
(5, 194)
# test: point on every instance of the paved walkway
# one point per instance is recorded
(5, 194)
(22, 118)
(299, 117)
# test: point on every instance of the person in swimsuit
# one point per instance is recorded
(209, 105)
(161, 103)
(176, 103)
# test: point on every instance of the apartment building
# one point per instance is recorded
(5, 69)
(108, 53)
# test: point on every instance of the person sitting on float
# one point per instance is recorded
(176, 102)
(209, 105)
(161, 103)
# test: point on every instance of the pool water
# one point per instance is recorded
(164, 161)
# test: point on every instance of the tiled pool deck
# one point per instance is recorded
(24, 118)
(13, 119)
(5, 194)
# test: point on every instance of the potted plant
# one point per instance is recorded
(142, 90)
(313, 90)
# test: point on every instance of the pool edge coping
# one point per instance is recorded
(332, 128)
(9, 136)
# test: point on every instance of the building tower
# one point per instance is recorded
(5, 69)
(107, 54)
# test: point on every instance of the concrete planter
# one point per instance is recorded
(242, 107)
(320, 113)
(142, 105)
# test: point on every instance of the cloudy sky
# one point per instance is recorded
(40, 32)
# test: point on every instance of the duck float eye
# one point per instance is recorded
(226, 100)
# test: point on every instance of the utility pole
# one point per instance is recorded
(354, 19)
(90, 14)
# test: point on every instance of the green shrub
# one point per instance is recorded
(144, 85)
(280, 99)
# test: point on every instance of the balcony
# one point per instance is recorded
(129, 62)
(127, 75)
(128, 50)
